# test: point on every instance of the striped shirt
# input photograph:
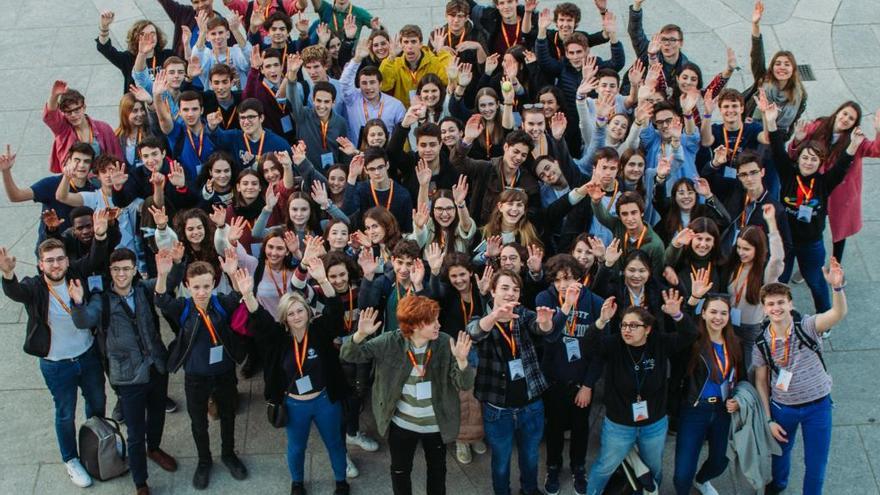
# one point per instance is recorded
(412, 413)
(809, 380)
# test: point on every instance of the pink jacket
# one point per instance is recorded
(845, 203)
(65, 137)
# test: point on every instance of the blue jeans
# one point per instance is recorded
(502, 427)
(810, 258)
(327, 416)
(618, 440)
(815, 422)
(63, 378)
(704, 421)
(143, 407)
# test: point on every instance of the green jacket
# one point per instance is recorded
(392, 366)
(652, 245)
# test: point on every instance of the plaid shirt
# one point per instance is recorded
(491, 382)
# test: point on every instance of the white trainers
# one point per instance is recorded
(78, 474)
(705, 488)
(363, 441)
(479, 447)
(463, 452)
(351, 471)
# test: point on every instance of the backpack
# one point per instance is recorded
(102, 448)
(187, 309)
(804, 340)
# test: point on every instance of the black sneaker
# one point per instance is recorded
(551, 485)
(202, 475)
(579, 480)
(117, 412)
(170, 405)
(235, 466)
(342, 488)
(297, 488)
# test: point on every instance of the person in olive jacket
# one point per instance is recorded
(419, 372)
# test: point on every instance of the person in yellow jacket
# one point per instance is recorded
(410, 62)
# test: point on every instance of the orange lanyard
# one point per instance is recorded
(414, 75)
(773, 345)
(106, 199)
(155, 60)
(300, 357)
(366, 110)
(642, 298)
(614, 193)
(572, 317)
(281, 289)
(503, 182)
(732, 155)
(64, 305)
(207, 321)
(449, 37)
(376, 198)
(73, 186)
(466, 313)
(556, 45)
(335, 21)
(231, 117)
(192, 143)
(281, 106)
(742, 222)
(694, 270)
(266, 11)
(348, 319)
(738, 292)
(325, 127)
(488, 143)
(247, 144)
(638, 242)
(586, 282)
(508, 338)
(406, 293)
(723, 369)
(507, 41)
(424, 368)
(808, 193)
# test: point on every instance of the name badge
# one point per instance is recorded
(805, 213)
(216, 354)
(640, 410)
(304, 385)
(286, 124)
(516, 369)
(729, 173)
(423, 390)
(96, 283)
(783, 380)
(735, 317)
(572, 348)
(327, 160)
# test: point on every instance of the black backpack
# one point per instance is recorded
(804, 340)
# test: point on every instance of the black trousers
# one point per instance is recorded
(223, 388)
(357, 375)
(562, 414)
(143, 407)
(402, 444)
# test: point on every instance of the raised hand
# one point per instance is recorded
(672, 302)
(355, 168)
(7, 160)
(505, 311)
(689, 101)
(194, 67)
(434, 255)
(106, 19)
(177, 178)
(545, 318)
(367, 324)
(597, 247)
(731, 60)
(214, 119)
(654, 45)
(545, 18)
(720, 155)
(218, 215)
(368, 263)
(473, 128)
(100, 221)
(644, 111)
(271, 198)
(58, 88)
(317, 270)
(594, 190)
(493, 246)
(294, 64)
(664, 167)
(160, 219)
(701, 185)
(7, 262)
(323, 33)
(235, 230)
(535, 259)
(460, 348)
(683, 238)
(164, 262)
(291, 242)
(346, 146)
(51, 220)
(636, 73)
(856, 138)
(833, 273)
(485, 280)
(572, 294)
(460, 190)
(670, 276)
(758, 12)
(244, 281)
(349, 26)
(769, 213)
(465, 74)
(491, 63)
(701, 283)
(609, 309)
(177, 251)
(613, 252)
(558, 123)
(297, 154)
(319, 194)
(420, 216)
(417, 274)
(75, 291)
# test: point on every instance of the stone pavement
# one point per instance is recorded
(41, 41)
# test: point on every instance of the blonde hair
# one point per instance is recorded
(286, 303)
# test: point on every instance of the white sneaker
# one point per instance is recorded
(78, 474)
(351, 471)
(463, 452)
(797, 278)
(705, 488)
(363, 441)
(479, 447)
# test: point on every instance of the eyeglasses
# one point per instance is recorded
(378, 168)
(669, 40)
(509, 258)
(664, 122)
(71, 111)
(248, 117)
(536, 106)
(750, 173)
(121, 269)
(53, 261)
(443, 209)
(631, 326)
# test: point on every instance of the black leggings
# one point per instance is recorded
(837, 250)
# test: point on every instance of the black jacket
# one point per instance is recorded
(34, 294)
(696, 381)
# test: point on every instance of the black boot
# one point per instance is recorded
(202, 475)
(297, 488)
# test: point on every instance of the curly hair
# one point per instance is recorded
(134, 33)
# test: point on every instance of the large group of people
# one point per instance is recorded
(470, 227)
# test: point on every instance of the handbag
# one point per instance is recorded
(239, 321)
(277, 414)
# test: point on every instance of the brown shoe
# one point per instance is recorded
(144, 490)
(164, 460)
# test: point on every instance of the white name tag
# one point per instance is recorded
(96, 283)
(783, 380)
(640, 410)
(327, 160)
(516, 369)
(735, 317)
(304, 385)
(805, 213)
(423, 390)
(572, 348)
(216, 354)
(286, 124)
(729, 173)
